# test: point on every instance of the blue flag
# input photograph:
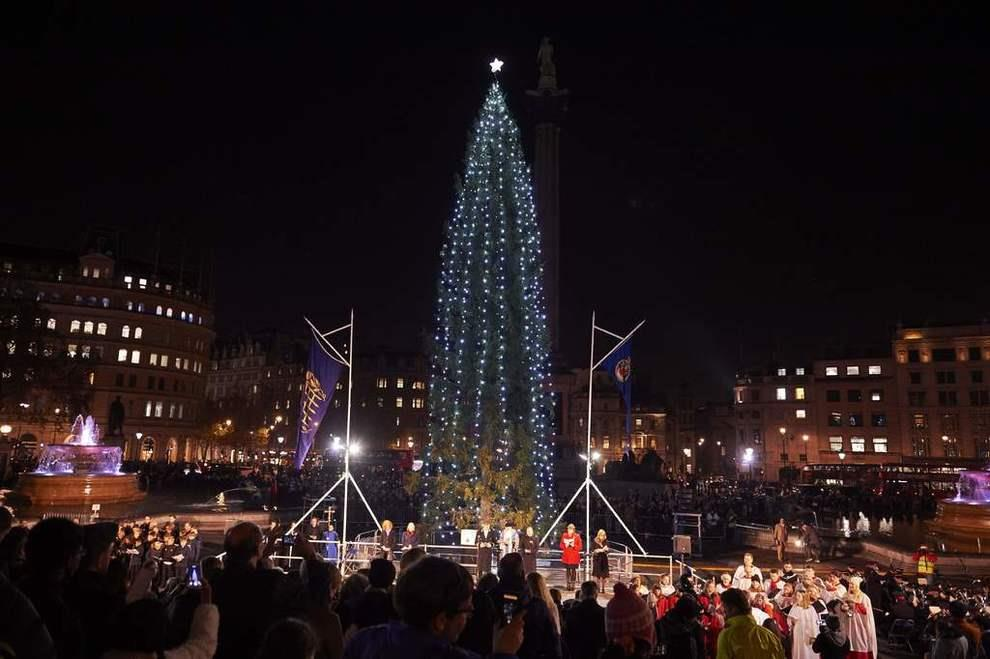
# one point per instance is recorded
(619, 367)
(322, 374)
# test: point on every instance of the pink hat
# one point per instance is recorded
(628, 615)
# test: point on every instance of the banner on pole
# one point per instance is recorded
(322, 374)
(619, 367)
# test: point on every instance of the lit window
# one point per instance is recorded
(178, 363)
(158, 310)
(182, 315)
(164, 361)
(419, 384)
(85, 353)
(831, 371)
(136, 357)
(88, 327)
(879, 444)
(105, 302)
(168, 312)
(142, 283)
(852, 370)
(101, 329)
(153, 359)
(801, 414)
(782, 372)
(125, 332)
(147, 408)
(799, 370)
(876, 395)
(138, 332)
(382, 383)
(874, 369)
(122, 355)
(781, 393)
(398, 401)
(835, 443)
(606, 443)
(417, 403)
(339, 386)
(140, 307)
(858, 444)
(181, 406)
(51, 323)
(400, 383)
(85, 271)
(128, 281)
(159, 409)
(798, 393)
(639, 423)
(71, 350)
(396, 421)
(185, 364)
(381, 401)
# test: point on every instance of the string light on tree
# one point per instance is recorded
(490, 406)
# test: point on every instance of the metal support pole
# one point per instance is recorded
(347, 435)
(587, 477)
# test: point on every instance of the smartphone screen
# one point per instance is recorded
(194, 581)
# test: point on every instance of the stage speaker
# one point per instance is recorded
(682, 544)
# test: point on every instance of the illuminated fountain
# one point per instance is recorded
(80, 471)
(962, 523)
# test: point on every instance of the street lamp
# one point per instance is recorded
(228, 423)
(278, 419)
(281, 439)
(804, 437)
(6, 429)
(842, 455)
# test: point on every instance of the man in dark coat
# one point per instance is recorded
(485, 541)
(584, 633)
(680, 632)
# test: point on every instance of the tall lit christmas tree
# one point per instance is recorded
(490, 408)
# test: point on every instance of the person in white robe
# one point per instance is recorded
(861, 625)
(803, 620)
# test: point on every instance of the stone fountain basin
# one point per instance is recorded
(79, 459)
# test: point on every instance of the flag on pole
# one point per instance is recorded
(619, 367)
(322, 374)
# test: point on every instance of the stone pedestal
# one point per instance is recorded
(78, 489)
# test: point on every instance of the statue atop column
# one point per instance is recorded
(548, 70)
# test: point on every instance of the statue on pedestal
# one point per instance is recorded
(548, 70)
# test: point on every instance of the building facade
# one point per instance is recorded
(136, 334)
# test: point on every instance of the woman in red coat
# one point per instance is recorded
(667, 597)
(570, 543)
(712, 618)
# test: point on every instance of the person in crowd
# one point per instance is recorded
(773, 585)
(959, 617)
(90, 591)
(831, 642)
(725, 583)
(746, 571)
(350, 592)
(410, 557)
(386, 541)
(780, 538)
(22, 632)
(508, 541)
(433, 600)
(12, 553)
(141, 629)
(630, 627)
(54, 551)
(667, 596)
(679, 632)
(571, 545)
(321, 581)
(542, 640)
(861, 628)
(950, 643)
(636, 585)
(742, 638)
(289, 638)
(249, 597)
(599, 558)
(538, 587)
(803, 622)
(712, 617)
(788, 574)
(477, 634)
(833, 588)
(485, 542)
(812, 543)
(584, 624)
(529, 546)
(6, 521)
(313, 532)
(331, 548)
(409, 537)
(375, 606)
(925, 560)
(785, 598)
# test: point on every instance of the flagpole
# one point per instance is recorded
(587, 473)
(347, 436)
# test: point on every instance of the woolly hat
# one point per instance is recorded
(628, 615)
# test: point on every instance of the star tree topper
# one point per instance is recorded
(496, 65)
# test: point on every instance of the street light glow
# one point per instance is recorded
(804, 437)
(6, 429)
(783, 430)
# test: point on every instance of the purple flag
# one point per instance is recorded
(321, 379)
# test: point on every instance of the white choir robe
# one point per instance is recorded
(861, 629)
(803, 622)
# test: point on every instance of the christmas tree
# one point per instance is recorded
(490, 406)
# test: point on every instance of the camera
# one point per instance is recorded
(193, 581)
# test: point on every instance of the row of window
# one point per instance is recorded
(157, 409)
(973, 354)
(950, 398)
(415, 403)
(877, 419)
(178, 386)
(946, 377)
(853, 395)
(154, 359)
(836, 444)
(400, 383)
(873, 369)
(782, 372)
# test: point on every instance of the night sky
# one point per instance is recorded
(752, 185)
